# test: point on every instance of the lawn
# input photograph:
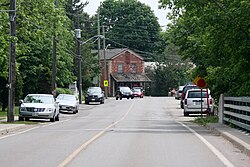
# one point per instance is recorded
(4, 113)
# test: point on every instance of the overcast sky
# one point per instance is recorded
(159, 13)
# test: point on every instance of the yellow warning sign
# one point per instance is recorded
(106, 83)
(197, 78)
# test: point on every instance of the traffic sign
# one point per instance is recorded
(196, 79)
(106, 83)
(201, 83)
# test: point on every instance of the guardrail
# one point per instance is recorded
(235, 112)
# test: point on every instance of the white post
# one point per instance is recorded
(221, 108)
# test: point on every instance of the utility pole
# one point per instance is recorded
(12, 62)
(54, 61)
(104, 62)
(99, 42)
(78, 38)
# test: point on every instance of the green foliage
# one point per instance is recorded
(63, 91)
(131, 24)
(35, 30)
(207, 119)
(214, 35)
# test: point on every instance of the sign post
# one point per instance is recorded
(199, 81)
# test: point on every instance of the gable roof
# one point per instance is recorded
(113, 53)
(130, 77)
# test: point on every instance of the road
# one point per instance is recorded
(148, 132)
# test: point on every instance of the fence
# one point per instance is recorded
(235, 112)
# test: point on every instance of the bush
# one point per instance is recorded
(63, 91)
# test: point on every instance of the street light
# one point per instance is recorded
(79, 43)
(78, 36)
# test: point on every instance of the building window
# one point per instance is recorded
(133, 68)
(120, 69)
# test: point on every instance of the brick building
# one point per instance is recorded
(124, 68)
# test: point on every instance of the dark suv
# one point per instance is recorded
(94, 94)
(185, 89)
(123, 92)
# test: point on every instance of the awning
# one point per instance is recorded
(130, 78)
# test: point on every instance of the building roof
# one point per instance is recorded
(112, 53)
(130, 77)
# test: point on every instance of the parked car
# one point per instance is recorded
(94, 94)
(39, 106)
(68, 103)
(193, 102)
(139, 87)
(185, 89)
(179, 92)
(137, 92)
(124, 92)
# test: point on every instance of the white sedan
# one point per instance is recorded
(39, 106)
(68, 103)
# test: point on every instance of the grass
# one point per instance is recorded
(3, 116)
(4, 113)
(206, 120)
(21, 122)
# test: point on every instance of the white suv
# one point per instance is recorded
(39, 106)
(192, 102)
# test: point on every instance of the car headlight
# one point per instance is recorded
(49, 109)
(23, 109)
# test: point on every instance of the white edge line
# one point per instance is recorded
(223, 159)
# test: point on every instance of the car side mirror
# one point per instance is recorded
(20, 101)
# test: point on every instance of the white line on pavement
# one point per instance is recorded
(84, 145)
(223, 159)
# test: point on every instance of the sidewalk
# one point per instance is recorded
(236, 137)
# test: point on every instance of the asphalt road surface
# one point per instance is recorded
(147, 132)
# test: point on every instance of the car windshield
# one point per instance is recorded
(136, 90)
(125, 89)
(94, 90)
(66, 97)
(190, 87)
(197, 94)
(38, 99)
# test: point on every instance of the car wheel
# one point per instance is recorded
(27, 119)
(132, 97)
(186, 114)
(120, 98)
(57, 117)
(52, 119)
(21, 119)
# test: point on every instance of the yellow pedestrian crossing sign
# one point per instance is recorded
(106, 83)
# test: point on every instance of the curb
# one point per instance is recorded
(11, 128)
(237, 142)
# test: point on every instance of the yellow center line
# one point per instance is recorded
(84, 145)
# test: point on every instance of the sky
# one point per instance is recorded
(161, 14)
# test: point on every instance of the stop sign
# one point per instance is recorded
(201, 83)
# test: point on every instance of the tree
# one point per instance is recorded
(131, 24)
(215, 36)
(80, 19)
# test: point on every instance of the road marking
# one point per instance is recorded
(223, 159)
(9, 135)
(24, 131)
(86, 144)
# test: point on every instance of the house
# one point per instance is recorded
(124, 68)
